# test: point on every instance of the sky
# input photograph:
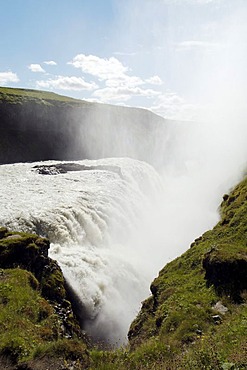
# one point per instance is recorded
(173, 57)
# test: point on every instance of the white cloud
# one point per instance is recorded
(6, 77)
(36, 68)
(195, 44)
(102, 68)
(119, 94)
(124, 81)
(67, 83)
(119, 86)
(172, 106)
(122, 53)
(50, 63)
(191, 2)
(154, 80)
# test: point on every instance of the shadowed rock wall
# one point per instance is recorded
(34, 129)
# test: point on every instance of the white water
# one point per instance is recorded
(96, 220)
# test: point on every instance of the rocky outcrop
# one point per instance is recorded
(229, 276)
(56, 169)
(30, 252)
(38, 329)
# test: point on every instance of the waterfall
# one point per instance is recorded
(97, 215)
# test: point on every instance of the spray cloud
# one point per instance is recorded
(204, 157)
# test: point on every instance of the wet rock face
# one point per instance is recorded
(44, 129)
(60, 168)
(228, 277)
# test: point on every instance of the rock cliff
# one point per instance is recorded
(37, 125)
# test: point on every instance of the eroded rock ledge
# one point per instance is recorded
(38, 329)
(60, 168)
(30, 252)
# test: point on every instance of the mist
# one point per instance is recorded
(201, 154)
(208, 153)
(204, 153)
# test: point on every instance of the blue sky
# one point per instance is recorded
(170, 56)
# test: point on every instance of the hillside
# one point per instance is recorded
(37, 125)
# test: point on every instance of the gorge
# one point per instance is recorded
(119, 192)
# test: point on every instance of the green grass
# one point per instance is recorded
(73, 349)
(30, 330)
(26, 319)
(20, 96)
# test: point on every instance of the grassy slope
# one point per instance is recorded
(36, 320)
(15, 96)
(21, 96)
(178, 327)
(30, 329)
(26, 319)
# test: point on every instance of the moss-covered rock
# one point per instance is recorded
(21, 251)
(30, 252)
(30, 328)
(34, 310)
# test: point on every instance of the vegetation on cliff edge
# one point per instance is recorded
(20, 96)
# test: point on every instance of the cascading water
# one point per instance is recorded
(95, 215)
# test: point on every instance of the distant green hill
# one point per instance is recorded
(20, 96)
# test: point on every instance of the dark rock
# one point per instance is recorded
(225, 197)
(217, 319)
(198, 331)
(229, 277)
(39, 126)
(37, 129)
(60, 168)
(3, 232)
